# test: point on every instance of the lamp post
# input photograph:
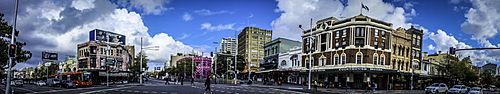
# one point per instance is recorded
(12, 42)
(310, 54)
(215, 61)
(155, 48)
(235, 58)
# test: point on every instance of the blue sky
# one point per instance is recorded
(193, 25)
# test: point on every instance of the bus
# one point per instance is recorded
(81, 79)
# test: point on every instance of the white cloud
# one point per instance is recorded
(206, 12)
(187, 17)
(295, 12)
(83, 4)
(443, 41)
(65, 26)
(184, 36)
(220, 27)
(430, 47)
(482, 20)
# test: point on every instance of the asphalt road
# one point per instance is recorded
(158, 87)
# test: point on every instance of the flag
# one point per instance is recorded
(365, 7)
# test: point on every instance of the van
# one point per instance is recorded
(53, 82)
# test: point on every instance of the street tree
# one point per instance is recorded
(5, 34)
(135, 68)
(460, 71)
(225, 64)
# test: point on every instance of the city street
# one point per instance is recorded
(158, 87)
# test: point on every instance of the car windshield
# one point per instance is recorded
(475, 89)
(457, 86)
(435, 85)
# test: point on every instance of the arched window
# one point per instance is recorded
(343, 58)
(375, 59)
(337, 60)
(359, 58)
(382, 59)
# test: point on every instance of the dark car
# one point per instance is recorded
(68, 84)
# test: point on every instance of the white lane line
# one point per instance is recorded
(290, 91)
(62, 90)
(103, 90)
(25, 89)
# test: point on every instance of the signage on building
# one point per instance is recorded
(106, 37)
(360, 69)
(49, 56)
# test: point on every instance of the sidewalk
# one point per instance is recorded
(301, 88)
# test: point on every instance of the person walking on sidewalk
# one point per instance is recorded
(207, 86)
(374, 86)
(192, 81)
(167, 79)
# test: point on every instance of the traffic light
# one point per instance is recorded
(12, 50)
(211, 54)
(452, 50)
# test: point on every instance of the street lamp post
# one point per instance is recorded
(215, 62)
(12, 42)
(235, 58)
(140, 56)
(310, 54)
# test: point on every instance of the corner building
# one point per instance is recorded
(356, 51)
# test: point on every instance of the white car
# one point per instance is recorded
(436, 88)
(458, 89)
(475, 90)
(41, 83)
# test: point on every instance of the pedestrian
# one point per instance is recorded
(207, 86)
(166, 80)
(374, 86)
(192, 81)
(182, 80)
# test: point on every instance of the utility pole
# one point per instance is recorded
(412, 55)
(140, 64)
(12, 42)
(310, 51)
(236, 59)
(108, 50)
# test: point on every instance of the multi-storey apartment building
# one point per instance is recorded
(360, 50)
(250, 44)
(228, 45)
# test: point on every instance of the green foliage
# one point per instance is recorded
(6, 32)
(460, 71)
(136, 65)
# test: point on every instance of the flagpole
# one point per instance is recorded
(361, 9)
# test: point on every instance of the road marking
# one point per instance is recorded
(103, 90)
(289, 91)
(62, 90)
(24, 89)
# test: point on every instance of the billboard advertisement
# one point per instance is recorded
(107, 37)
(49, 56)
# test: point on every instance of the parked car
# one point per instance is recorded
(68, 84)
(492, 88)
(458, 89)
(18, 83)
(41, 83)
(53, 82)
(436, 88)
(475, 90)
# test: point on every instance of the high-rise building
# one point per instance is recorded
(228, 45)
(250, 45)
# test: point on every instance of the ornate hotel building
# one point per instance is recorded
(360, 50)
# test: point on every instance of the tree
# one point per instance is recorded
(460, 71)
(487, 78)
(21, 55)
(225, 64)
(135, 69)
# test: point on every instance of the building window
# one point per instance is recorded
(359, 58)
(376, 33)
(375, 59)
(360, 32)
(337, 60)
(344, 33)
(343, 58)
(337, 34)
(382, 59)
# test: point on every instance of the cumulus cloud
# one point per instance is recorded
(296, 12)
(64, 26)
(482, 21)
(219, 27)
(83, 4)
(431, 47)
(206, 12)
(444, 41)
(146, 6)
(187, 17)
